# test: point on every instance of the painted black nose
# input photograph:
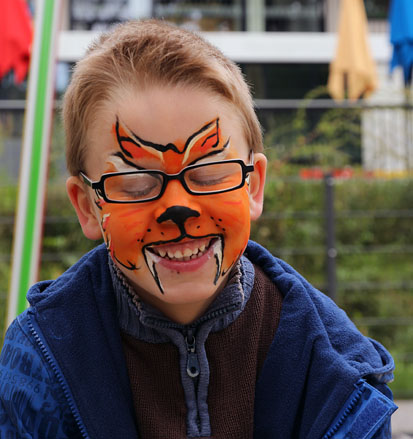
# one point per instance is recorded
(178, 215)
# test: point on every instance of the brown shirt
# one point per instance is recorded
(235, 354)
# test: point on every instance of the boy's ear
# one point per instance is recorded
(256, 186)
(82, 203)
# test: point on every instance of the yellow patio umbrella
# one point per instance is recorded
(353, 71)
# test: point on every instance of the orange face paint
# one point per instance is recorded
(209, 229)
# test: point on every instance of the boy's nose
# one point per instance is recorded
(177, 214)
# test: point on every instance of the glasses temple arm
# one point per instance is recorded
(86, 179)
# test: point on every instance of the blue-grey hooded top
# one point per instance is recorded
(63, 374)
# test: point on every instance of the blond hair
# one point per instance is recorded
(144, 53)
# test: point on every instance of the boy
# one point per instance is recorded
(178, 327)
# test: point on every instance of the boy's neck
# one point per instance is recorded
(187, 313)
(183, 314)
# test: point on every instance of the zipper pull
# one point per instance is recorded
(192, 365)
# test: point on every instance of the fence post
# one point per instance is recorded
(331, 251)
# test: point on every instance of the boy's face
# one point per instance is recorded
(178, 249)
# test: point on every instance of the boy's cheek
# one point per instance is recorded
(228, 215)
(124, 228)
(238, 218)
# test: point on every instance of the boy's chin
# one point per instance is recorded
(180, 286)
(187, 294)
(177, 287)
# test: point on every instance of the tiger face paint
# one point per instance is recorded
(186, 234)
(178, 249)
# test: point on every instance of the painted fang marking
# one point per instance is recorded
(152, 268)
(217, 275)
(218, 254)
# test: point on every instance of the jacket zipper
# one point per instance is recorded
(353, 402)
(61, 380)
(193, 368)
(192, 363)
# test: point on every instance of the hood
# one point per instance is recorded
(318, 355)
(89, 268)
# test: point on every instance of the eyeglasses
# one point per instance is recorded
(148, 185)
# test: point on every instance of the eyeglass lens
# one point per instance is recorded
(214, 178)
(148, 185)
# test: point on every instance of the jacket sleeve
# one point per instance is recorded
(365, 415)
(384, 432)
(32, 404)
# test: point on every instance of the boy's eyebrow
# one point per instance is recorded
(211, 127)
(212, 153)
(141, 168)
(126, 161)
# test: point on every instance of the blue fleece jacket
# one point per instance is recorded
(63, 374)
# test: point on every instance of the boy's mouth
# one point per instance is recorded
(183, 251)
(185, 256)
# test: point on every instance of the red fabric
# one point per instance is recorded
(16, 36)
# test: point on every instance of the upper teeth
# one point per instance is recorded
(180, 254)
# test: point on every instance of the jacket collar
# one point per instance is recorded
(146, 323)
(318, 355)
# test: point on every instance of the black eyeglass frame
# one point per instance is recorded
(98, 186)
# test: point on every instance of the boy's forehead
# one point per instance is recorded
(171, 126)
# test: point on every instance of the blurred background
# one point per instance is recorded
(339, 197)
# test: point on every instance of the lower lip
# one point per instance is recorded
(190, 265)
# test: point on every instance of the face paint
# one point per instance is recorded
(179, 234)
